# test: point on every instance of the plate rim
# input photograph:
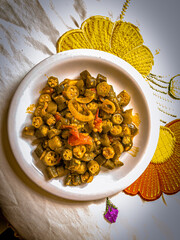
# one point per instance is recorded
(153, 138)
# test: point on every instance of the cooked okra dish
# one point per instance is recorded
(80, 127)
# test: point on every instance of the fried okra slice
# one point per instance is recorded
(106, 125)
(116, 130)
(54, 142)
(117, 118)
(118, 147)
(50, 119)
(103, 89)
(86, 177)
(67, 154)
(124, 98)
(52, 107)
(29, 131)
(109, 164)
(42, 131)
(133, 129)
(53, 132)
(44, 98)
(127, 116)
(52, 172)
(51, 158)
(37, 122)
(82, 168)
(90, 82)
(61, 171)
(100, 159)
(127, 143)
(52, 81)
(93, 167)
(85, 74)
(125, 130)
(74, 164)
(108, 152)
(71, 92)
(101, 78)
(79, 151)
(75, 179)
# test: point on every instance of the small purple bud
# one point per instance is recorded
(111, 212)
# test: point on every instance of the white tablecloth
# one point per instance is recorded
(28, 34)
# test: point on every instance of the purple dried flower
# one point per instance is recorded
(111, 212)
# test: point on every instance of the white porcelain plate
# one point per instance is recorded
(122, 76)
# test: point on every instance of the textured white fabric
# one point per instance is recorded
(28, 34)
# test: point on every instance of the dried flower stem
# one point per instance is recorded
(125, 6)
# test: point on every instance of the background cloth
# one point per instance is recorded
(28, 34)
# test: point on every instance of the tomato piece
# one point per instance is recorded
(82, 140)
(57, 116)
(98, 122)
(93, 90)
(73, 130)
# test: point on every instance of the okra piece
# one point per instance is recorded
(52, 172)
(42, 131)
(67, 154)
(61, 171)
(127, 143)
(52, 81)
(29, 131)
(109, 164)
(108, 152)
(52, 107)
(54, 142)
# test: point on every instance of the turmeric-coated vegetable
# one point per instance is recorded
(106, 126)
(79, 151)
(109, 164)
(108, 152)
(44, 98)
(52, 107)
(52, 81)
(53, 132)
(71, 92)
(61, 171)
(117, 118)
(80, 125)
(103, 89)
(52, 172)
(75, 179)
(108, 106)
(67, 154)
(51, 158)
(78, 115)
(50, 119)
(82, 168)
(125, 130)
(28, 131)
(127, 116)
(124, 98)
(55, 142)
(116, 130)
(42, 131)
(37, 122)
(86, 177)
(92, 106)
(90, 82)
(87, 99)
(127, 143)
(93, 167)
(38, 111)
